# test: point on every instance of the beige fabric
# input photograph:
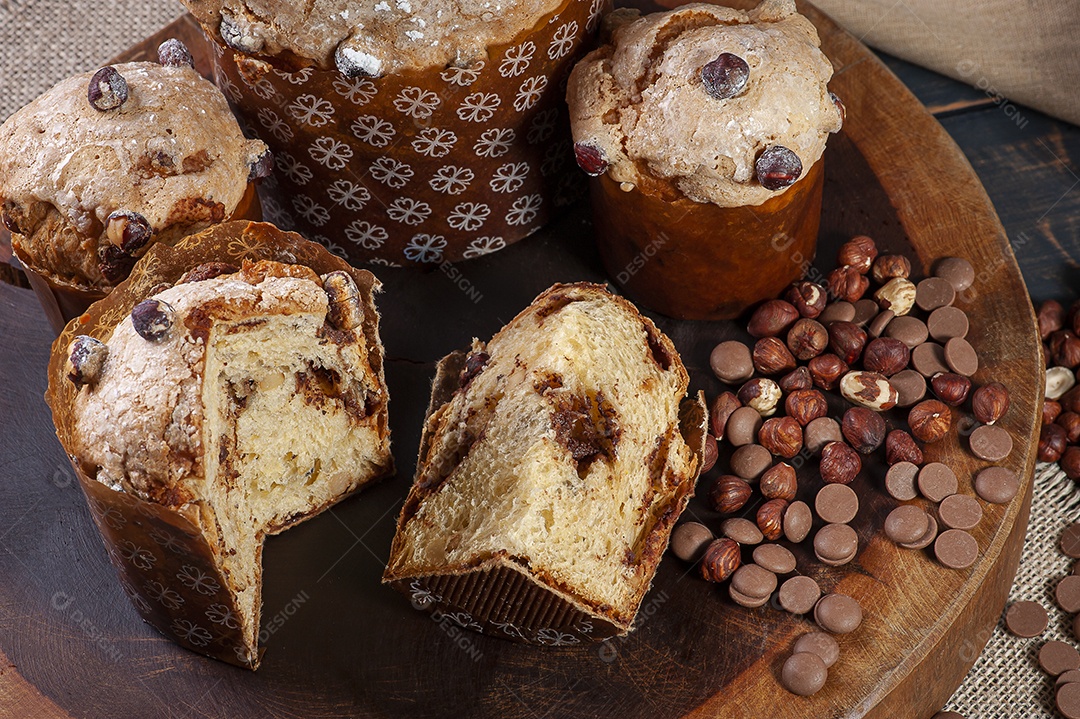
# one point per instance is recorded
(1026, 51)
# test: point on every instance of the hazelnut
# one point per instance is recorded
(806, 405)
(1052, 442)
(898, 295)
(808, 298)
(344, 310)
(722, 557)
(863, 429)
(85, 360)
(782, 436)
(1065, 349)
(1070, 401)
(847, 340)
(1073, 318)
(929, 420)
(710, 454)
(173, 53)
(847, 283)
(772, 318)
(152, 319)
(901, 447)
(990, 402)
(807, 339)
(770, 518)
(869, 389)
(1051, 318)
(798, 379)
(826, 371)
(1070, 463)
(1059, 380)
(729, 493)
(886, 355)
(840, 464)
(761, 394)
(779, 482)
(129, 231)
(951, 388)
(771, 356)
(858, 252)
(722, 408)
(888, 267)
(1051, 411)
(1070, 422)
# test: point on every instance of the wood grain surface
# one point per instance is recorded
(340, 644)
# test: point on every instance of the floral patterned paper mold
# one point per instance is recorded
(419, 167)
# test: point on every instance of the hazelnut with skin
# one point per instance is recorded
(808, 298)
(847, 283)
(761, 394)
(782, 436)
(886, 355)
(779, 482)
(771, 356)
(847, 340)
(1070, 422)
(722, 557)
(770, 518)
(870, 390)
(887, 267)
(864, 429)
(771, 319)
(806, 405)
(840, 464)
(1051, 318)
(930, 420)
(826, 371)
(1051, 411)
(950, 388)
(901, 447)
(1070, 463)
(722, 408)
(729, 493)
(990, 402)
(859, 252)
(1052, 442)
(807, 339)
(798, 379)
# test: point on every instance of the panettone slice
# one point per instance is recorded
(230, 406)
(554, 463)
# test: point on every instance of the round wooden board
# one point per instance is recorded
(340, 644)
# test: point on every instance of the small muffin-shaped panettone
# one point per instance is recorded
(554, 462)
(107, 163)
(231, 405)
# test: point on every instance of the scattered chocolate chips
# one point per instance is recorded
(1067, 700)
(836, 504)
(797, 521)
(836, 544)
(960, 511)
(961, 356)
(108, 90)
(927, 539)
(799, 595)
(910, 387)
(956, 549)
(934, 292)
(775, 558)
(590, 158)
(777, 167)
(929, 359)
(732, 362)
(910, 330)
(750, 461)
(838, 614)
(906, 524)
(997, 485)
(837, 312)
(900, 481)
(821, 644)
(959, 272)
(991, 443)
(174, 53)
(1058, 657)
(1070, 541)
(751, 585)
(689, 540)
(1026, 619)
(937, 481)
(726, 76)
(152, 319)
(946, 323)
(742, 531)
(804, 674)
(1067, 594)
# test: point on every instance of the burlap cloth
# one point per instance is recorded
(1025, 51)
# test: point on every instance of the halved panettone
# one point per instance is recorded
(554, 463)
(234, 404)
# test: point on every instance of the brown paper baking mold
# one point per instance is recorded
(161, 555)
(421, 166)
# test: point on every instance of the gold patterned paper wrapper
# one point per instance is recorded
(163, 559)
(419, 166)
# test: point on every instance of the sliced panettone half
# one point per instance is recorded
(554, 463)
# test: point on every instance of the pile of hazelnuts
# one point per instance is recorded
(1059, 440)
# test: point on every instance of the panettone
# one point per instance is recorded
(554, 463)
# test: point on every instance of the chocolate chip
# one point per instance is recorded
(777, 559)
(750, 461)
(1070, 541)
(1067, 700)
(961, 356)
(113, 263)
(261, 166)
(958, 271)
(961, 511)
(991, 443)
(86, 360)
(777, 167)
(1067, 594)
(910, 330)
(865, 310)
(840, 311)
(906, 524)
(945, 323)
(937, 481)
(838, 614)
(927, 539)
(821, 644)
(590, 158)
(1058, 657)
(732, 362)
(821, 432)
(726, 76)
(173, 53)
(689, 540)
(799, 595)
(152, 319)
(910, 387)
(742, 531)
(836, 503)
(1073, 675)
(929, 359)
(956, 549)
(751, 585)
(900, 481)
(742, 426)
(108, 90)
(804, 674)
(836, 544)
(1026, 619)
(881, 321)
(797, 521)
(128, 230)
(997, 485)
(934, 292)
